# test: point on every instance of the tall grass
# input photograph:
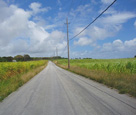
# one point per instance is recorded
(15, 74)
(116, 73)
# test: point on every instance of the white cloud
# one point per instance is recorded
(20, 35)
(79, 29)
(115, 49)
(27, 32)
(109, 11)
(118, 18)
(135, 24)
(106, 27)
(130, 43)
(13, 24)
(106, 1)
(37, 33)
(57, 35)
(119, 46)
(47, 27)
(83, 41)
(98, 33)
(95, 33)
(36, 8)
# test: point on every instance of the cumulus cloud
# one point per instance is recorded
(83, 41)
(107, 27)
(116, 45)
(24, 31)
(57, 35)
(121, 49)
(100, 33)
(131, 43)
(13, 22)
(115, 49)
(96, 33)
(20, 35)
(36, 8)
(120, 46)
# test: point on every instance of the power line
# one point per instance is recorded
(94, 19)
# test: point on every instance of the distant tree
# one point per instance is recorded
(135, 56)
(2, 59)
(6, 59)
(9, 59)
(19, 58)
(27, 57)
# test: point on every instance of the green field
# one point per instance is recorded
(15, 74)
(115, 73)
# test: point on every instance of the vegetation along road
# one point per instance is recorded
(55, 91)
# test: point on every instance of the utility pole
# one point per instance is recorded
(68, 44)
(56, 51)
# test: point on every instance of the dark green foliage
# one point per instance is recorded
(6, 59)
(27, 57)
(19, 58)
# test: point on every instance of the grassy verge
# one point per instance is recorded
(14, 75)
(117, 73)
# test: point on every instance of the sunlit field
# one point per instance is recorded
(115, 73)
(15, 74)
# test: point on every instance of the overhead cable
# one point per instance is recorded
(94, 20)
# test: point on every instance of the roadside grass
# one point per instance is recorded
(115, 73)
(14, 75)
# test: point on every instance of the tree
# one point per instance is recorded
(27, 57)
(9, 59)
(2, 59)
(135, 56)
(6, 59)
(19, 58)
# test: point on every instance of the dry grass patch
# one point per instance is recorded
(25, 77)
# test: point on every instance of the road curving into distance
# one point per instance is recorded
(55, 91)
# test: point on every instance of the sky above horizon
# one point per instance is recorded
(38, 28)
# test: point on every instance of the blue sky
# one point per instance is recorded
(38, 28)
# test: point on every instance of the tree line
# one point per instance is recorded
(25, 57)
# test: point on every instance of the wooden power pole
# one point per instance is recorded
(68, 44)
(56, 51)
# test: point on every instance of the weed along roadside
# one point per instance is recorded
(115, 73)
(13, 75)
